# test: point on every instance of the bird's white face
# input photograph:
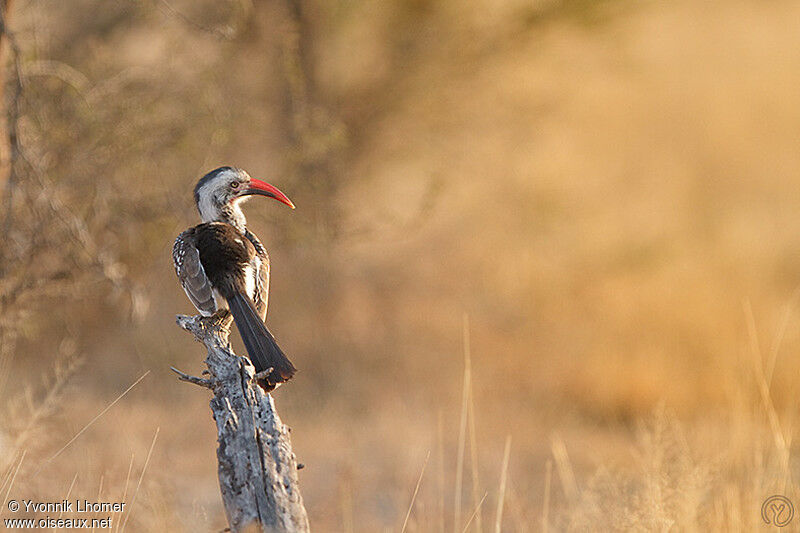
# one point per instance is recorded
(219, 193)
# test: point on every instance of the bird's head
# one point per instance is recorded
(219, 194)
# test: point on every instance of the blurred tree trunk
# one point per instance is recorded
(5, 147)
(315, 131)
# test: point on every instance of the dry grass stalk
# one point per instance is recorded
(141, 477)
(498, 523)
(564, 466)
(473, 438)
(69, 492)
(12, 478)
(474, 513)
(548, 474)
(440, 442)
(124, 499)
(462, 433)
(92, 421)
(764, 391)
(416, 490)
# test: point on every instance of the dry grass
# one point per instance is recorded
(608, 190)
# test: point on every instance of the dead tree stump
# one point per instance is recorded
(257, 469)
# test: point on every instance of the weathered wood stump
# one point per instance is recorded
(257, 469)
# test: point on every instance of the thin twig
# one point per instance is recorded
(202, 382)
(227, 33)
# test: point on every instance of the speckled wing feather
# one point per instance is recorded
(191, 274)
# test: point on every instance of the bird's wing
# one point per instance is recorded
(262, 285)
(191, 274)
(261, 263)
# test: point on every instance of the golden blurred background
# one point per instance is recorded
(597, 200)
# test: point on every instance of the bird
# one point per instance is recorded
(221, 264)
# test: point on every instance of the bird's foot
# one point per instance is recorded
(263, 375)
(263, 380)
(221, 316)
(218, 324)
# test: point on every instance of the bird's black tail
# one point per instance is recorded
(261, 346)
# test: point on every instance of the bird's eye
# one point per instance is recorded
(235, 185)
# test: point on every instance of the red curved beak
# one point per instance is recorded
(265, 189)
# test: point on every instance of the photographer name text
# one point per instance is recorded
(72, 506)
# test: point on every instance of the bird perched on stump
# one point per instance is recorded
(222, 264)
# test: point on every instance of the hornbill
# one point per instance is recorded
(220, 263)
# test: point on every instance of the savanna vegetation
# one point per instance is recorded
(544, 265)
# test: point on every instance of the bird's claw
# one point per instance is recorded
(264, 374)
(221, 315)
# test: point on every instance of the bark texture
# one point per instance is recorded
(257, 469)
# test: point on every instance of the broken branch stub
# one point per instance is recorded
(257, 468)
